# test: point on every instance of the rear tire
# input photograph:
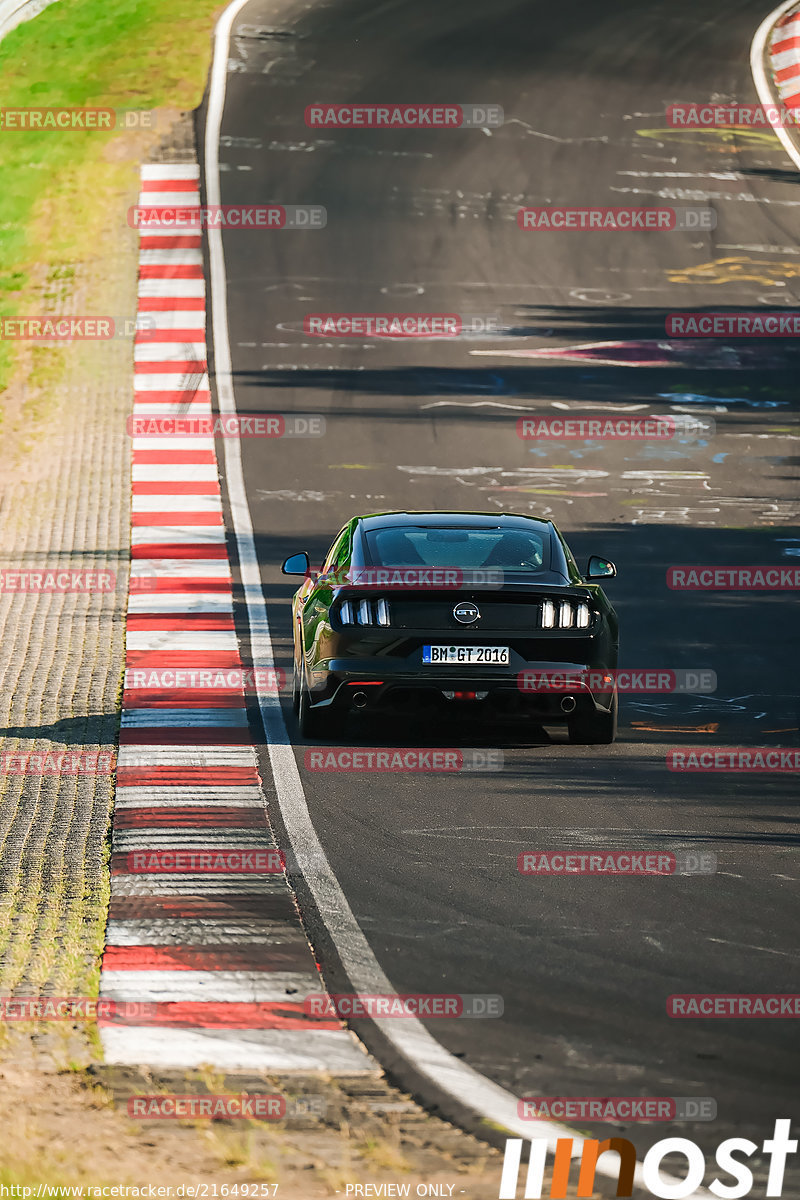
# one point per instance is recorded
(597, 729)
(316, 723)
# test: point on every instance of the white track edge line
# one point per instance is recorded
(466, 1085)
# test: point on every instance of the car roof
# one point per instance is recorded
(456, 520)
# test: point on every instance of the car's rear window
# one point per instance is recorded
(414, 546)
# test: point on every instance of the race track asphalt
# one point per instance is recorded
(425, 221)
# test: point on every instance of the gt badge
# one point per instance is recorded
(466, 613)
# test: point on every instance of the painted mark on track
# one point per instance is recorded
(737, 269)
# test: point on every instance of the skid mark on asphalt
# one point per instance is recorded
(698, 195)
(561, 405)
(288, 494)
(645, 727)
(723, 176)
(720, 403)
(551, 137)
(713, 141)
(759, 949)
(687, 352)
(454, 202)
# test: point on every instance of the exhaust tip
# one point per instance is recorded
(569, 704)
(359, 699)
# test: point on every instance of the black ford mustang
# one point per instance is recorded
(456, 610)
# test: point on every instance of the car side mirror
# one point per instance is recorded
(600, 568)
(296, 564)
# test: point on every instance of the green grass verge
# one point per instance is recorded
(58, 185)
(62, 226)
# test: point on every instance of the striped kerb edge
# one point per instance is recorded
(785, 58)
(205, 967)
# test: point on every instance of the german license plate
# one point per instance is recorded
(449, 656)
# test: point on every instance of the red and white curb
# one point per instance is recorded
(775, 65)
(784, 54)
(220, 960)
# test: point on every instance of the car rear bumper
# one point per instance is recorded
(378, 685)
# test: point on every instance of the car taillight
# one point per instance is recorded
(365, 612)
(566, 614)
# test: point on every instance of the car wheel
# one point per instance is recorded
(598, 729)
(317, 722)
